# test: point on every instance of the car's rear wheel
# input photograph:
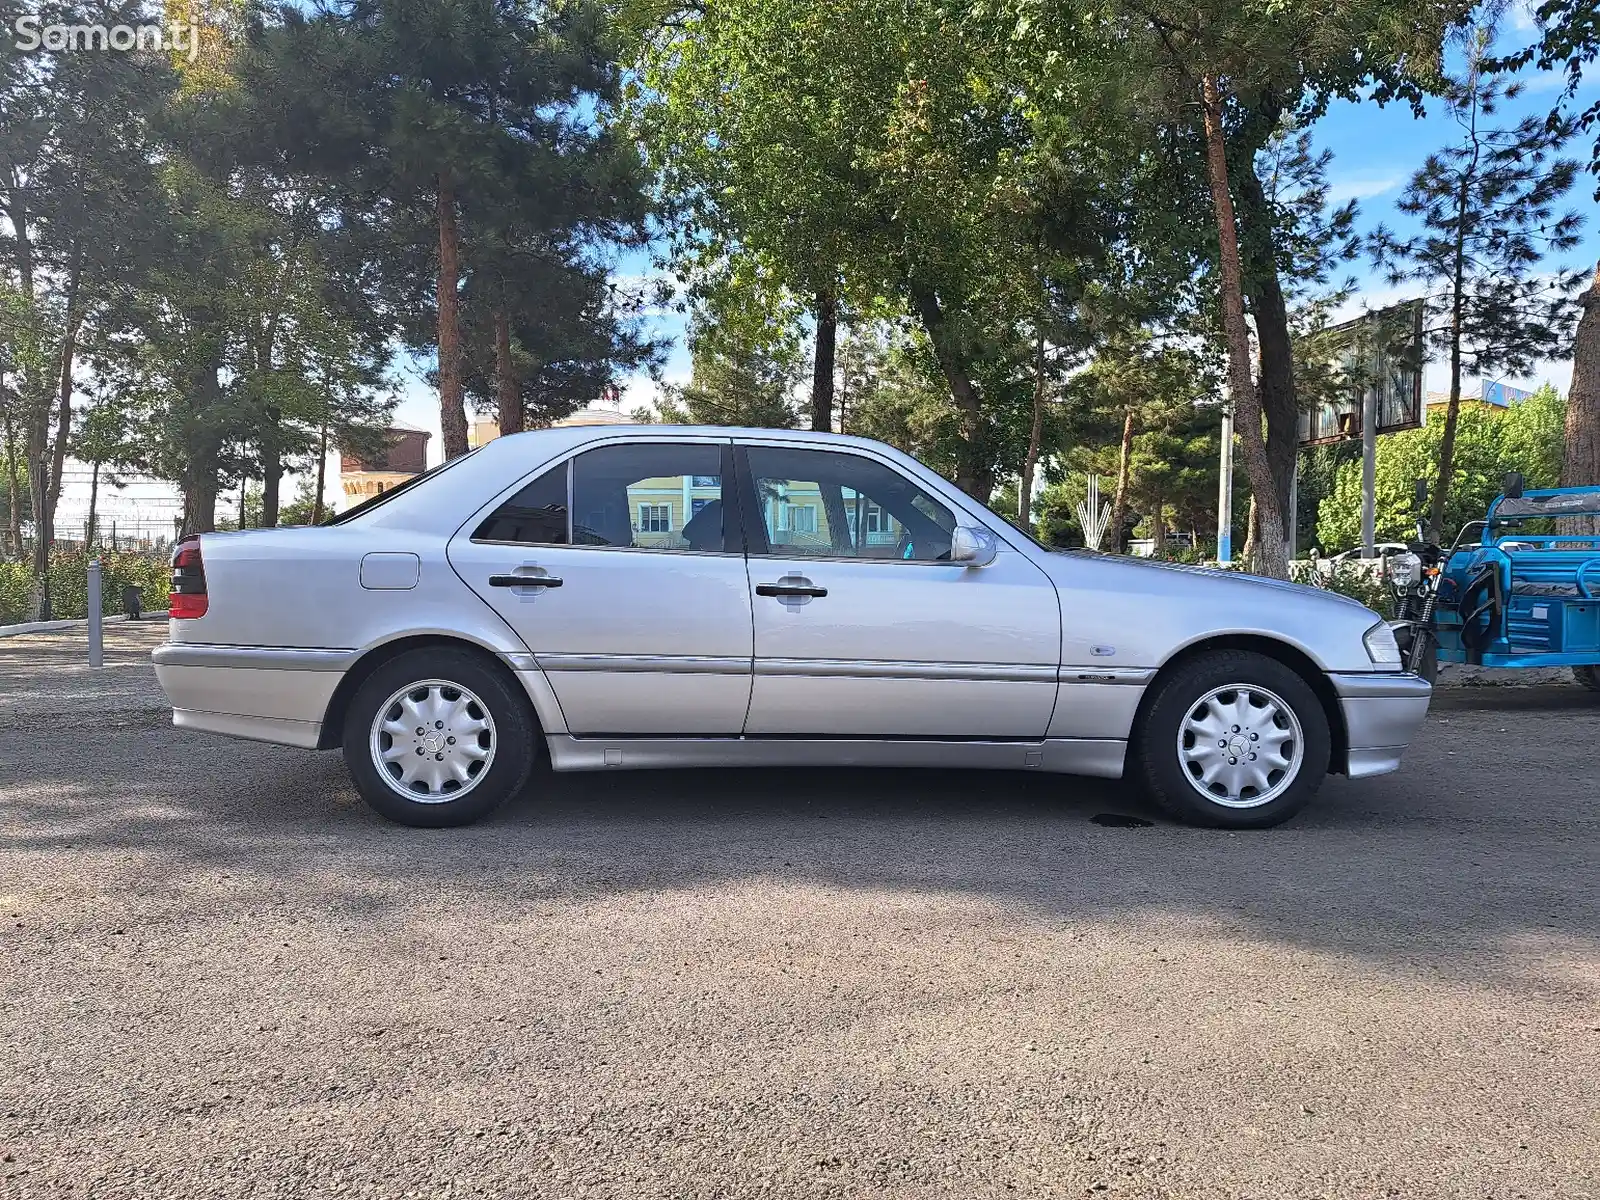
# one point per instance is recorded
(1233, 739)
(437, 737)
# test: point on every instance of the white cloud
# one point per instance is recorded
(1361, 187)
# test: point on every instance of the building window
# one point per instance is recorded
(800, 518)
(655, 518)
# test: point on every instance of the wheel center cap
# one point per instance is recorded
(433, 743)
(1238, 747)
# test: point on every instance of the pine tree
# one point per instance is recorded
(462, 135)
(1487, 206)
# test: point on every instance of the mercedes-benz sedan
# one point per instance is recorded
(607, 598)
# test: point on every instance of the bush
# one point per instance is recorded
(69, 583)
(1351, 579)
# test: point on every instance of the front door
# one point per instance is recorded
(863, 625)
(619, 571)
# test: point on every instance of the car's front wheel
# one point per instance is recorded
(438, 737)
(1232, 739)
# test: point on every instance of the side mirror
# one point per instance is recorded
(972, 546)
(1513, 485)
(1422, 492)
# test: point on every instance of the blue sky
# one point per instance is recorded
(1375, 152)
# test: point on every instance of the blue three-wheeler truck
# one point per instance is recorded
(1525, 593)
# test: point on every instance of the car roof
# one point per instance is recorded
(461, 486)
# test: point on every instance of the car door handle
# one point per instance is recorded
(513, 581)
(789, 589)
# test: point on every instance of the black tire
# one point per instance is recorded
(1588, 677)
(1428, 666)
(1157, 762)
(511, 741)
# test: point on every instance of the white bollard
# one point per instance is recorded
(97, 655)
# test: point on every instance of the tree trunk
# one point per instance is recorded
(1279, 404)
(1119, 505)
(13, 495)
(823, 363)
(1030, 461)
(322, 478)
(508, 388)
(94, 499)
(452, 402)
(1252, 532)
(200, 494)
(1452, 414)
(69, 349)
(271, 481)
(43, 535)
(1272, 555)
(1158, 526)
(1580, 462)
(974, 475)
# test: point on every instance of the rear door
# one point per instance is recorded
(863, 625)
(622, 570)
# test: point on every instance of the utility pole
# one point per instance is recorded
(1225, 488)
(1369, 468)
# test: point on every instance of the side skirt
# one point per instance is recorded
(1067, 756)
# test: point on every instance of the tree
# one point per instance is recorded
(463, 139)
(1141, 386)
(76, 189)
(1580, 466)
(892, 149)
(1487, 209)
(1526, 438)
(737, 380)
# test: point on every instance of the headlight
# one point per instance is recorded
(1405, 570)
(1382, 649)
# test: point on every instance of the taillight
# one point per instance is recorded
(188, 581)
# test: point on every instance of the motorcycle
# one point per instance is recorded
(1413, 577)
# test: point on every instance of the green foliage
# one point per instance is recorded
(1489, 442)
(739, 379)
(1354, 579)
(69, 583)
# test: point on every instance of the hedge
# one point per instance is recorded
(69, 583)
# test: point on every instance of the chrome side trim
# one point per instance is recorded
(278, 730)
(1137, 676)
(829, 668)
(672, 664)
(1067, 756)
(1380, 684)
(271, 658)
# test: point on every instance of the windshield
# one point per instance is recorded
(384, 497)
(1547, 504)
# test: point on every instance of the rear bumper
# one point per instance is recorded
(266, 695)
(1382, 713)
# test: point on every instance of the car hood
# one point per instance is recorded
(1143, 574)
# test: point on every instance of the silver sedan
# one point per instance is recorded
(605, 598)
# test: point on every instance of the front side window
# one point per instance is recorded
(826, 504)
(649, 496)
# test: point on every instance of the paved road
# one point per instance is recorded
(221, 976)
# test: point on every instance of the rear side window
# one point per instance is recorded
(537, 514)
(649, 496)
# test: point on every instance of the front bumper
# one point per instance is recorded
(1382, 712)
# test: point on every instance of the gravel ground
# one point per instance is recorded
(221, 976)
